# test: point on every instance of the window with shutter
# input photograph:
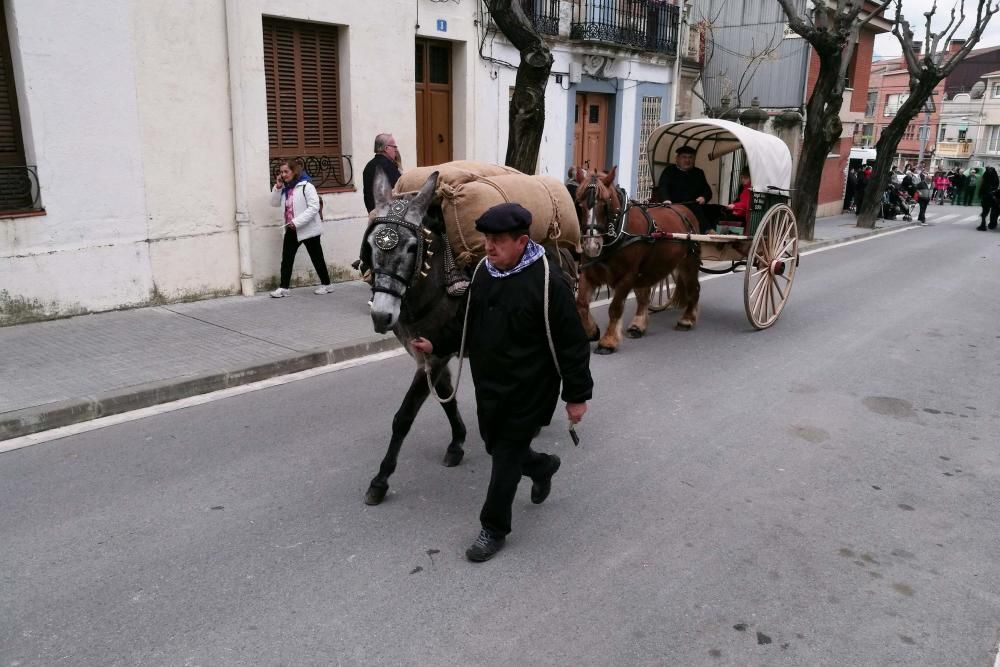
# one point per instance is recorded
(302, 82)
(18, 182)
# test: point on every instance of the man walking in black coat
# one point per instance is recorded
(684, 183)
(514, 367)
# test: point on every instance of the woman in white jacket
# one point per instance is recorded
(303, 224)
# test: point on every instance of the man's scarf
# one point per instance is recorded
(532, 253)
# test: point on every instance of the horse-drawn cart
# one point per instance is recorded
(768, 248)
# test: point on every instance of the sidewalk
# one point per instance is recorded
(66, 371)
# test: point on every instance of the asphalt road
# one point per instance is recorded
(820, 493)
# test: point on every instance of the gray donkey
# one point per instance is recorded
(407, 246)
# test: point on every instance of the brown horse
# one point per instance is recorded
(622, 250)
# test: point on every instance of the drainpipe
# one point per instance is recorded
(243, 229)
(681, 45)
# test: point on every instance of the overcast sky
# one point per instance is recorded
(913, 10)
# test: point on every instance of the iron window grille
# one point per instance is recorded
(647, 25)
(19, 190)
(327, 172)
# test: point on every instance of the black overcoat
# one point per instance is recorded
(390, 170)
(517, 385)
(679, 186)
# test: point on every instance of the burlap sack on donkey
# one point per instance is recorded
(450, 173)
(553, 215)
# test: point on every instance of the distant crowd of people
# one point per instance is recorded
(914, 186)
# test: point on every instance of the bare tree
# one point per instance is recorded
(927, 69)
(527, 105)
(832, 28)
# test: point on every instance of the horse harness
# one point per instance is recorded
(616, 234)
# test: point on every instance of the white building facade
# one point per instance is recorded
(139, 139)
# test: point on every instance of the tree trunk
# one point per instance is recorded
(885, 148)
(527, 105)
(822, 130)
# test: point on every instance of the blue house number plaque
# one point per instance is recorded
(442, 25)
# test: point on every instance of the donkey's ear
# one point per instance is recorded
(609, 178)
(381, 188)
(426, 194)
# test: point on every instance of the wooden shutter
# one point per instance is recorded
(302, 81)
(11, 143)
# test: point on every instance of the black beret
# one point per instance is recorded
(686, 150)
(504, 218)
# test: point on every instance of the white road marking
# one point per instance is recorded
(104, 422)
(113, 420)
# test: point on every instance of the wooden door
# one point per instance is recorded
(433, 97)
(590, 132)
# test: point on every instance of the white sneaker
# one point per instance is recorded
(280, 292)
(323, 289)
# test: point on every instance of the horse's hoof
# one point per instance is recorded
(601, 349)
(634, 332)
(453, 458)
(375, 495)
(684, 325)
(596, 336)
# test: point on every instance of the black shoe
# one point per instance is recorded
(485, 547)
(992, 225)
(981, 228)
(543, 485)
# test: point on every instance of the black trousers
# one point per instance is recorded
(290, 246)
(923, 208)
(512, 459)
(991, 209)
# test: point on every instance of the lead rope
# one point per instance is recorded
(548, 328)
(465, 327)
(461, 349)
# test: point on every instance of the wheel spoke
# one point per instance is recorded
(760, 297)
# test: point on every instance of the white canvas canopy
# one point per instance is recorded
(768, 157)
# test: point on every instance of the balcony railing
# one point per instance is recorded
(19, 191)
(961, 148)
(328, 172)
(543, 14)
(647, 25)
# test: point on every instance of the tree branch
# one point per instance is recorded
(974, 36)
(795, 21)
(874, 12)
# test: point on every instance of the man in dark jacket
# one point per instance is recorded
(386, 153)
(386, 158)
(516, 378)
(684, 183)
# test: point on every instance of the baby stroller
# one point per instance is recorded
(897, 202)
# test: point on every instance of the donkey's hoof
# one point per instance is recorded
(375, 495)
(634, 332)
(684, 325)
(596, 336)
(601, 349)
(453, 457)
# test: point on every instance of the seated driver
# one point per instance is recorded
(684, 183)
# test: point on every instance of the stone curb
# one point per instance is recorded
(822, 243)
(26, 421)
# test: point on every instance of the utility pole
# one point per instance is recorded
(928, 108)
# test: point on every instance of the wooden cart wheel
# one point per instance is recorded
(659, 298)
(771, 264)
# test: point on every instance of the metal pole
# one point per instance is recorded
(923, 136)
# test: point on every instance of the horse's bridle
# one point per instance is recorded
(387, 239)
(611, 214)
